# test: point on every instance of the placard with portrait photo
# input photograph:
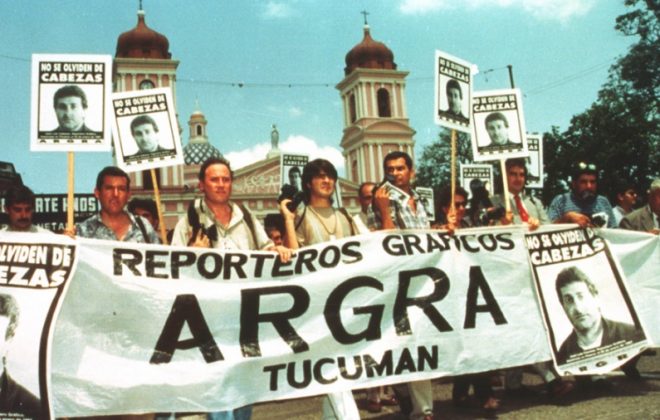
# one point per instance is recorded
(535, 161)
(498, 129)
(592, 324)
(453, 92)
(70, 102)
(146, 132)
(476, 175)
(35, 270)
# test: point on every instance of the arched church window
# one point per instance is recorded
(383, 103)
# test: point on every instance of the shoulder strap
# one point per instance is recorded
(302, 217)
(247, 217)
(193, 221)
(348, 218)
(143, 229)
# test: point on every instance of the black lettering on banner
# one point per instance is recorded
(216, 268)
(277, 268)
(347, 250)
(465, 240)
(402, 302)
(128, 257)
(318, 371)
(412, 241)
(488, 241)
(335, 256)
(405, 363)
(185, 309)
(426, 358)
(181, 259)
(307, 374)
(251, 317)
(151, 264)
(506, 243)
(274, 370)
(235, 262)
(259, 265)
(332, 311)
(306, 257)
(341, 362)
(395, 249)
(384, 367)
(478, 282)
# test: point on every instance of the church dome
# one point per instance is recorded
(369, 54)
(197, 153)
(142, 42)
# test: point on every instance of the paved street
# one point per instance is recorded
(626, 399)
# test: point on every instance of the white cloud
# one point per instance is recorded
(295, 112)
(277, 10)
(293, 144)
(560, 10)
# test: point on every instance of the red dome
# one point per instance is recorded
(142, 42)
(369, 54)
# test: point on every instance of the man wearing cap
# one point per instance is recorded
(582, 205)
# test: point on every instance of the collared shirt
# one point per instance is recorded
(94, 228)
(236, 235)
(532, 205)
(566, 202)
(401, 212)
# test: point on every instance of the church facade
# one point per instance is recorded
(375, 123)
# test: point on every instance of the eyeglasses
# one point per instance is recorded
(588, 166)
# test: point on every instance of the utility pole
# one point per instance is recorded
(510, 67)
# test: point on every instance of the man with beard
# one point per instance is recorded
(582, 205)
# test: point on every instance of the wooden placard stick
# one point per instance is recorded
(506, 186)
(69, 196)
(452, 208)
(161, 221)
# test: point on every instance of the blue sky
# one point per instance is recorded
(560, 51)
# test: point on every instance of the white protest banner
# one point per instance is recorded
(146, 131)
(180, 329)
(148, 328)
(70, 97)
(592, 323)
(34, 271)
(453, 92)
(498, 129)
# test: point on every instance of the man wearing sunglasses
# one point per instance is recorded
(582, 205)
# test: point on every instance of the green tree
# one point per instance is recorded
(434, 166)
(619, 131)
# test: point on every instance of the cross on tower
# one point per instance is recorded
(364, 12)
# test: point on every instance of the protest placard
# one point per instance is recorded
(453, 92)
(34, 270)
(535, 161)
(70, 98)
(592, 324)
(146, 131)
(476, 175)
(498, 129)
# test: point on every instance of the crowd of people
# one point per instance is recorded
(216, 221)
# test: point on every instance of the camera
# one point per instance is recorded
(491, 214)
(599, 219)
(289, 192)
